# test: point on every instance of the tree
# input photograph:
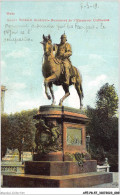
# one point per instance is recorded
(4, 133)
(103, 126)
(107, 99)
(17, 126)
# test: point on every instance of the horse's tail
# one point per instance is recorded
(81, 90)
(79, 80)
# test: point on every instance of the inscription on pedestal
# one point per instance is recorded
(74, 136)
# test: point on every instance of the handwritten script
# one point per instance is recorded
(22, 29)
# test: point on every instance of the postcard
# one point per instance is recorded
(60, 59)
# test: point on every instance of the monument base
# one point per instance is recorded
(66, 181)
(70, 165)
(54, 168)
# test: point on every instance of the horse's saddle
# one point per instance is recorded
(59, 61)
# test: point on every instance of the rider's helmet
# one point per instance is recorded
(64, 36)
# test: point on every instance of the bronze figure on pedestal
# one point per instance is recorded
(57, 69)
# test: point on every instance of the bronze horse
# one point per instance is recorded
(53, 72)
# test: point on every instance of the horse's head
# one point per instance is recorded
(47, 45)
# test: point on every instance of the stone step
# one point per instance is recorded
(66, 181)
(55, 168)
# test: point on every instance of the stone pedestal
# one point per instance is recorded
(64, 161)
(71, 124)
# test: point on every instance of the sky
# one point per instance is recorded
(94, 49)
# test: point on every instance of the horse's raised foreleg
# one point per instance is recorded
(47, 82)
(52, 93)
(67, 93)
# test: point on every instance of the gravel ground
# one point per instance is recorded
(114, 184)
(107, 185)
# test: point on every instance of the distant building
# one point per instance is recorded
(3, 89)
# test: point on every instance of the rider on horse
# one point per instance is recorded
(58, 70)
(63, 54)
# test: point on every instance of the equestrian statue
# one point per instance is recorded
(57, 69)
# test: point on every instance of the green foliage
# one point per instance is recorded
(103, 126)
(107, 99)
(112, 156)
(4, 133)
(15, 127)
(79, 157)
(70, 156)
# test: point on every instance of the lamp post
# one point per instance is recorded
(88, 142)
(22, 148)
